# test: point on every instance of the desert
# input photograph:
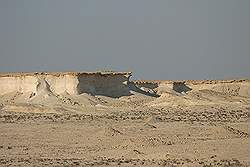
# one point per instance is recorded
(108, 119)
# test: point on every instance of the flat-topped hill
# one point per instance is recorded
(107, 73)
(112, 84)
(194, 82)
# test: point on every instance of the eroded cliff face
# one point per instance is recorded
(108, 84)
(230, 87)
(111, 84)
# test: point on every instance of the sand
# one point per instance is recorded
(159, 123)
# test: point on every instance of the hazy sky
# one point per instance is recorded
(156, 39)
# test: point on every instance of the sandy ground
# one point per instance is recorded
(200, 128)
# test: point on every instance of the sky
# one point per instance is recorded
(155, 39)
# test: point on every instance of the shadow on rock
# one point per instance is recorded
(142, 90)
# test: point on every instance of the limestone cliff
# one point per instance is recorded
(239, 87)
(113, 84)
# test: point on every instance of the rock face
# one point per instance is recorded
(113, 84)
(229, 87)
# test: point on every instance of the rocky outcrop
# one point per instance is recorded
(239, 87)
(113, 84)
